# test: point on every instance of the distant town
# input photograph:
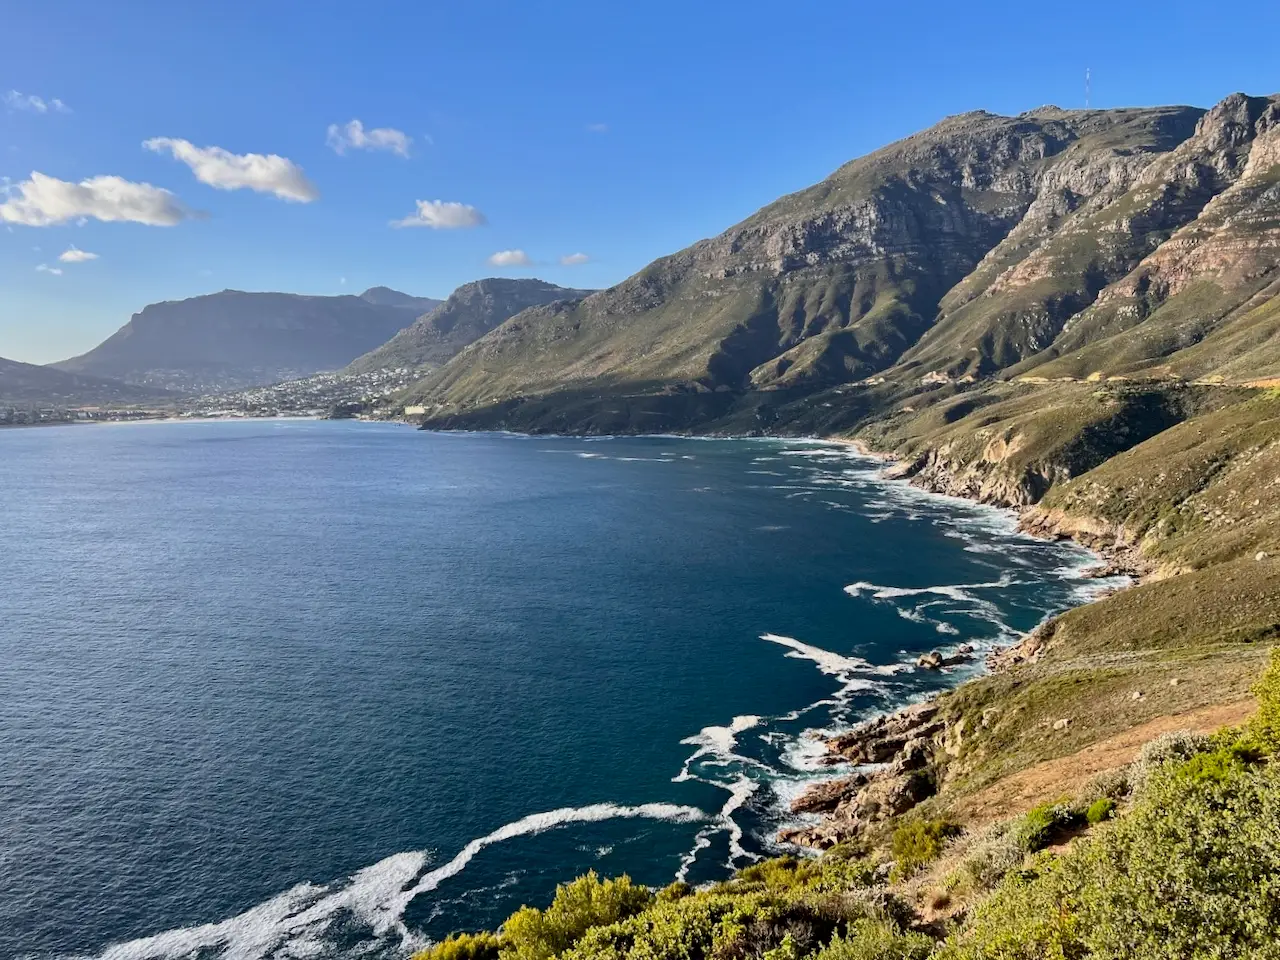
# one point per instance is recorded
(322, 395)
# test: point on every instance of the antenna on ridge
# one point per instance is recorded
(1088, 86)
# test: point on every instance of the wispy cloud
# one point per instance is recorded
(510, 258)
(45, 268)
(574, 259)
(33, 104)
(442, 215)
(597, 128)
(224, 170)
(353, 136)
(43, 201)
(75, 255)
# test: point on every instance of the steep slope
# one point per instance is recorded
(26, 384)
(233, 339)
(1202, 303)
(470, 312)
(830, 284)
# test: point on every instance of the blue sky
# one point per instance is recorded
(620, 131)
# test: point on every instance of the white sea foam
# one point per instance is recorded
(740, 791)
(845, 669)
(717, 743)
(294, 923)
(962, 596)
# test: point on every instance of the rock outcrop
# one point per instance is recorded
(903, 745)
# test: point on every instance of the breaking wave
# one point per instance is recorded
(300, 921)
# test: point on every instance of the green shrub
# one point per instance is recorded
(1171, 747)
(1041, 825)
(1109, 785)
(1101, 809)
(779, 873)
(988, 855)
(876, 939)
(1265, 725)
(463, 946)
(726, 925)
(532, 934)
(673, 891)
(918, 842)
(1189, 872)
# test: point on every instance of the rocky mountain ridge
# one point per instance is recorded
(469, 313)
(986, 246)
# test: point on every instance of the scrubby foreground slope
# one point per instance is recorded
(1052, 244)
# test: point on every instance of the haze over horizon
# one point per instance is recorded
(164, 153)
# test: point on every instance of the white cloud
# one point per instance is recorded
(265, 173)
(510, 258)
(33, 104)
(442, 215)
(574, 259)
(45, 268)
(597, 128)
(74, 255)
(43, 201)
(353, 136)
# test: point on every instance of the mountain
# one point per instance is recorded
(233, 339)
(26, 384)
(470, 312)
(1125, 242)
(386, 297)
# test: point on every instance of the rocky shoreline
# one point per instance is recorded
(894, 755)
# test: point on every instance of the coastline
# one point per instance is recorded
(887, 753)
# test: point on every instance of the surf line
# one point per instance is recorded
(374, 897)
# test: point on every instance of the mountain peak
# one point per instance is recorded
(387, 297)
(471, 311)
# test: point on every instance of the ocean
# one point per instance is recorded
(301, 688)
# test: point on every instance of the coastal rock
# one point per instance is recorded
(888, 796)
(879, 740)
(915, 755)
(825, 797)
(930, 661)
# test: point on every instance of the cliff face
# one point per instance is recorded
(1055, 243)
(234, 339)
(470, 312)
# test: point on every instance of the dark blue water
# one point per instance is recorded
(271, 687)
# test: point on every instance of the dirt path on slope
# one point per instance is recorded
(1053, 779)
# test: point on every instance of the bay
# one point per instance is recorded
(278, 688)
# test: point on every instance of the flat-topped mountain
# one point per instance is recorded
(470, 312)
(27, 384)
(235, 339)
(1139, 241)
